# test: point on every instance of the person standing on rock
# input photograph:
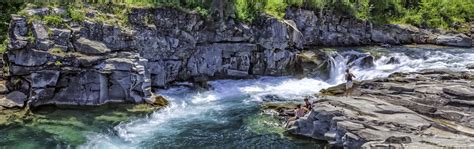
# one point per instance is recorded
(349, 85)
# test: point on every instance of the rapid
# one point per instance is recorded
(228, 115)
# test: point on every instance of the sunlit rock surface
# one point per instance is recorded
(426, 109)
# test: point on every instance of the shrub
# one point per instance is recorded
(75, 14)
(414, 19)
(7, 8)
(58, 63)
(275, 8)
(244, 10)
(3, 48)
(363, 9)
(201, 11)
(52, 20)
(440, 13)
(121, 12)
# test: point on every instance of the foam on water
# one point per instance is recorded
(430, 60)
(188, 106)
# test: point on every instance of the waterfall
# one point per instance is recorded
(338, 67)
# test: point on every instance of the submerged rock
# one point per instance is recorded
(470, 66)
(393, 60)
(13, 99)
(159, 101)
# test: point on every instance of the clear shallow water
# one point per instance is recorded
(226, 116)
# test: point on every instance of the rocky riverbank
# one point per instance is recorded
(89, 62)
(427, 109)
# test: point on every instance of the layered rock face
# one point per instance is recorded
(327, 29)
(429, 109)
(92, 63)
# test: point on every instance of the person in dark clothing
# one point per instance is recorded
(307, 104)
(349, 84)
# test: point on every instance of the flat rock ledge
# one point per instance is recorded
(427, 109)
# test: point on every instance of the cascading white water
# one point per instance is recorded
(199, 118)
(338, 67)
(188, 107)
(430, 60)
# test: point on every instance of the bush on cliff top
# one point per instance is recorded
(441, 13)
(445, 14)
(75, 14)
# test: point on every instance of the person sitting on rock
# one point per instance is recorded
(299, 112)
(307, 104)
(349, 76)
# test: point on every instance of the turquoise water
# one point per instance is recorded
(227, 116)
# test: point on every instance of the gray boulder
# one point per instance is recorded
(28, 57)
(59, 11)
(3, 89)
(39, 31)
(459, 40)
(87, 46)
(38, 11)
(61, 37)
(44, 78)
(460, 91)
(18, 27)
(379, 36)
(13, 99)
(91, 30)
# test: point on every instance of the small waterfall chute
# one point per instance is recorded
(338, 66)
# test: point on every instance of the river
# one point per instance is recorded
(227, 116)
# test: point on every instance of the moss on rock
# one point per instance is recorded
(279, 106)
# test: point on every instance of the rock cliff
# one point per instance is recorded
(92, 62)
(428, 109)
